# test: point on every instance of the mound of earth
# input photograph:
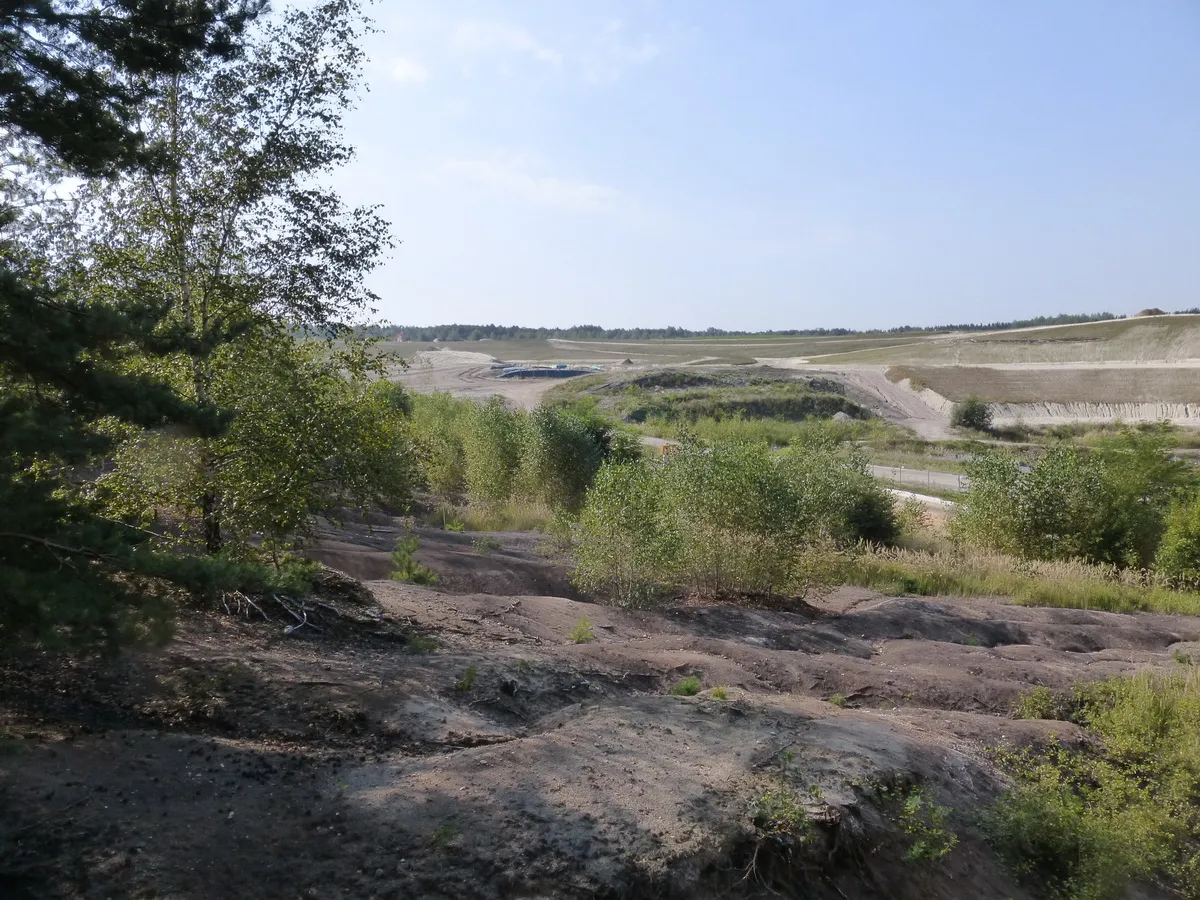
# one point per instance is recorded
(431, 744)
(1152, 311)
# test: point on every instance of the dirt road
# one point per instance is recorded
(920, 478)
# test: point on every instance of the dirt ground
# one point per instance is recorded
(455, 742)
(472, 375)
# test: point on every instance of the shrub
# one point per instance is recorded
(1108, 504)
(720, 692)
(1179, 553)
(735, 516)
(971, 413)
(419, 643)
(582, 632)
(1088, 824)
(688, 687)
(838, 700)
(564, 456)
(779, 814)
(407, 568)
(727, 519)
(484, 546)
(924, 822)
(494, 445)
(497, 458)
(440, 422)
(467, 680)
(625, 546)
(1038, 703)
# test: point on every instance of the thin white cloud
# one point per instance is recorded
(479, 37)
(576, 196)
(612, 52)
(408, 71)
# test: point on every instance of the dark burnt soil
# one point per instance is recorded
(430, 744)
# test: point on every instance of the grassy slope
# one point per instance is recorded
(1057, 385)
(1164, 338)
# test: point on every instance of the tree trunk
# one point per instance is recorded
(210, 514)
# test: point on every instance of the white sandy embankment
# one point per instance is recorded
(928, 413)
(1055, 413)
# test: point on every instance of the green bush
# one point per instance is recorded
(582, 632)
(1087, 824)
(491, 458)
(1108, 504)
(310, 431)
(726, 519)
(625, 546)
(466, 681)
(564, 456)
(440, 422)
(780, 814)
(495, 448)
(1038, 703)
(688, 687)
(971, 413)
(1179, 553)
(407, 568)
(924, 823)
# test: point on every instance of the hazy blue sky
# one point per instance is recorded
(779, 163)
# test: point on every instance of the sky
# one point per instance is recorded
(779, 164)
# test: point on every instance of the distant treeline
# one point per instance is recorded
(595, 332)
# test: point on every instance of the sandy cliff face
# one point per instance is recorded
(1050, 413)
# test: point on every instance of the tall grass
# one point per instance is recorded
(514, 515)
(1057, 583)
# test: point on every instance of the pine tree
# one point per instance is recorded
(66, 573)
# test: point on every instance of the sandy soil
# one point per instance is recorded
(869, 385)
(472, 375)
(508, 761)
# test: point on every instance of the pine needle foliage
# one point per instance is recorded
(68, 574)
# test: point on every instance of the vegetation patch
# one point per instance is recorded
(778, 814)
(1107, 504)
(971, 413)
(726, 520)
(688, 687)
(485, 546)
(1055, 583)
(790, 402)
(466, 681)
(1089, 823)
(924, 824)
(582, 633)
(419, 643)
(407, 568)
